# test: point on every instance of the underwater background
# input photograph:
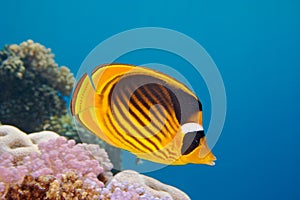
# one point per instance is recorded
(255, 45)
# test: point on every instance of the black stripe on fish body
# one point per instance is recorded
(155, 96)
(118, 135)
(135, 102)
(152, 92)
(126, 100)
(134, 107)
(174, 100)
(164, 94)
(129, 123)
(129, 144)
(146, 100)
(127, 141)
(121, 98)
(190, 141)
(138, 99)
(146, 148)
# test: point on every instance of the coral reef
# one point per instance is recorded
(44, 165)
(71, 129)
(42, 136)
(35, 56)
(34, 92)
(15, 142)
(48, 187)
(150, 185)
(56, 158)
(19, 144)
(122, 190)
(33, 86)
(62, 169)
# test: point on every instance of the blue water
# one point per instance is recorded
(255, 45)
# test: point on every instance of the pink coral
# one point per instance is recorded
(9, 173)
(71, 170)
(57, 157)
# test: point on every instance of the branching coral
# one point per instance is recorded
(68, 127)
(49, 187)
(38, 58)
(56, 157)
(62, 169)
(33, 86)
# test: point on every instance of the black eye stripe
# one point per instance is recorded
(190, 141)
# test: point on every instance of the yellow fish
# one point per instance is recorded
(143, 111)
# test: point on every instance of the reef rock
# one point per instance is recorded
(151, 186)
(15, 142)
(19, 144)
(42, 136)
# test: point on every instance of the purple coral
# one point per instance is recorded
(122, 190)
(9, 173)
(58, 158)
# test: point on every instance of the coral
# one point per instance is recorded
(10, 173)
(123, 190)
(62, 125)
(33, 94)
(56, 157)
(63, 169)
(101, 156)
(39, 58)
(114, 153)
(69, 186)
(42, 136)
(33, 86)
(49, 187)
(19, 144)
(15, 142)
(59, 156)
(71, 129)
(151, 186)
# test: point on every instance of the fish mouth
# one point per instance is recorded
(209, 159)
(205, 153)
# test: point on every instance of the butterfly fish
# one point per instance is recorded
(143, 111)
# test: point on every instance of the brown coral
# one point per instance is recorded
(48, 187)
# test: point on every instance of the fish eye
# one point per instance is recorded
(193, 133)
